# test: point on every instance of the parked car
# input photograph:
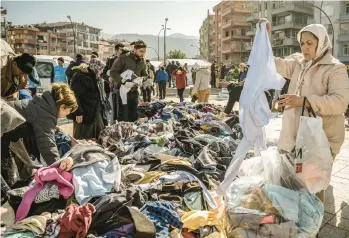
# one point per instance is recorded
(44, 67)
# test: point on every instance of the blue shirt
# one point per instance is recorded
(33, 76)
(59, 74)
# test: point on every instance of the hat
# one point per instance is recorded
(61, 59)
(94, 53)
(26, 63)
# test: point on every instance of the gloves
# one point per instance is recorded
(129, 85)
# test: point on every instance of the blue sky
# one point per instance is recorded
(115, 17)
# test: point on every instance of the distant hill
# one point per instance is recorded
(176, 41)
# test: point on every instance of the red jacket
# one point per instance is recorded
(181, 79)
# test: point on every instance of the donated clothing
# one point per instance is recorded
(59, 74)
(24, 94)
(254, 108)
(302, 207)
(34, 79)
(161, 76)
(96, 179)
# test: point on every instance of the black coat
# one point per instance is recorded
(87, 95)
(41, 114)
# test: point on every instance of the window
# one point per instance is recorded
(347, 8)
(44, 69)
(232, 33)
(328, 8)
(226, 57)
(226, 33)
(243, 32)
(345, 49)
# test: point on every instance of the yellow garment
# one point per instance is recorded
(193, 220)
(178, 162)
(150, 177)
(36, 224)
(7, 215)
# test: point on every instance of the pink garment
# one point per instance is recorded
(43, 175)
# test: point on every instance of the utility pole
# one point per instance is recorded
(159, 41)
(69, 17)
(165, 40)
(208, 35)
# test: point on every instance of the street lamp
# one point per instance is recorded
(165, 40)
(154, 50)
(69, 17)
(329, 19)
(198, 49)
(163, 28)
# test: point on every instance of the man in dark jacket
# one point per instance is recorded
(135, 62)
(69, 71)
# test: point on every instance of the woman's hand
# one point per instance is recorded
(291, 101)
(66, 164)
(268, 24)
(78, 119)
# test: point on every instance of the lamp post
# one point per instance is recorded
(69, 17)
(163, 28)
(165, 40)
(198, 49)
(154, 50)
(329, 19)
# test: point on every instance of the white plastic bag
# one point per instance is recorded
(313, 154)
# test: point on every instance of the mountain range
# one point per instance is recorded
(176, 41)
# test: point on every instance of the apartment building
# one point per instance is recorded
(105, 50)
(207, 38)
(287, 18)
(23, 39)
(86, 37)
(341, 40)
(230, 31)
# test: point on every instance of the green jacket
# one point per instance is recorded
(125, 62)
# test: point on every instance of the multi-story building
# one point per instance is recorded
(105, 50)
(207, 38)
(341, 40)
(287, 18)
(30, 39)
(230, 31)
(86, 37)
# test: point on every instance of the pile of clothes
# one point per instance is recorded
(151, 178)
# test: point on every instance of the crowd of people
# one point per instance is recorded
(29, 133)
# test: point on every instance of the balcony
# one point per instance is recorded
(344, 35)
(25, 41)
(251, 32)
(25, 50)
(285, 42)
(284, 8)
(70, 37)
(239, 37)
(344, 17)
(226, 24)
(227, 12)
(239, 23)
(287, 25)
(344, 59)
(243, 10)
(254, 17)
(228, 38)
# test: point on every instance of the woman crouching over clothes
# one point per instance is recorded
(88, 121)
(318, 80)
(37, 134)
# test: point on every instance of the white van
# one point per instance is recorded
(44, 67)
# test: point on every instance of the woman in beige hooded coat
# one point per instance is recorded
(202, 84)
(319, 79)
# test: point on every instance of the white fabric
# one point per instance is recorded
(108, 72)
(123, 93)
(254, 112)
(313, 154)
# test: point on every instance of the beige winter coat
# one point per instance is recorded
(326, 86)
(203, 79)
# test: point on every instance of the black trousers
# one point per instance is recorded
(33, 91)
(162, 89)
(146, 94)
(129, 111)
(180, 92)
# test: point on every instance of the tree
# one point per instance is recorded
(176, 54)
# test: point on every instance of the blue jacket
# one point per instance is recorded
(161, 76)
(34, 79)
(59, 74)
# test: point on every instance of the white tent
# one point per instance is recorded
(157, 64)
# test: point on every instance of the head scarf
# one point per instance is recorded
(324, 42)
(10, 118)
(97, 66)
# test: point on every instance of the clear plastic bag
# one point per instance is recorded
(314, 159)
(268, 198)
